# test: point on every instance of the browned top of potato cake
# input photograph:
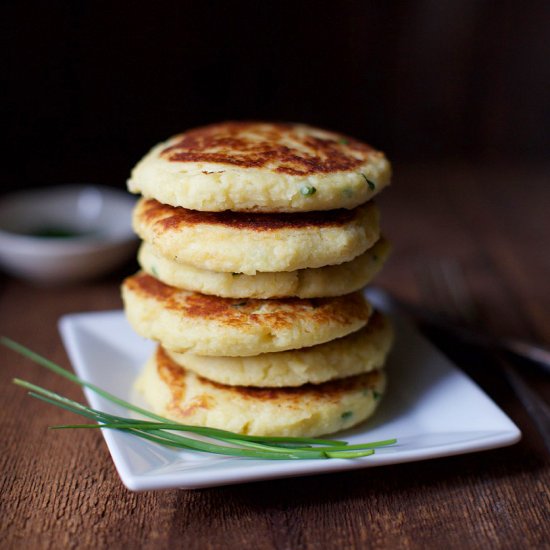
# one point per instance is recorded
(278, 146)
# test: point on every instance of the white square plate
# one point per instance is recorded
(431, 407)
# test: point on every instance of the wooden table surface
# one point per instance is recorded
(61, 490)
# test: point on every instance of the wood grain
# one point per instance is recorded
(60, 490)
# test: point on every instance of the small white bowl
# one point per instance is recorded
(65, 233)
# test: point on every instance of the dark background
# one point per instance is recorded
(91, 86)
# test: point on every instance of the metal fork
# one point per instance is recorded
(444, 287)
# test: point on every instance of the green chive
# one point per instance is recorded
(347, 414)
(371, 184)
(350, 454)
(161, 430)
(343, 141)
(308, 190)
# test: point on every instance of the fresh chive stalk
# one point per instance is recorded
(161, 430)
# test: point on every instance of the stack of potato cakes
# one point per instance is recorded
(257, 238)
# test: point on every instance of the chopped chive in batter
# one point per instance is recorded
(308, 190)
(371, 184)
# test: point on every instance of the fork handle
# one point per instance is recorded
(531, 352)
(536, 408)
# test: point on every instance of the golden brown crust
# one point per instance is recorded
(235, 312)
(173, 376)
(282, 148)
(362, 351)
(171, 217)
